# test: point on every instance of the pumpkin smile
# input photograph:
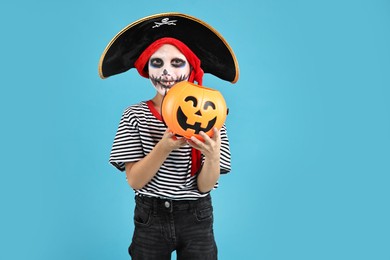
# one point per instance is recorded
(182, 120)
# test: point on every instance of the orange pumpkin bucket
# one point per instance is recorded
(188, 108)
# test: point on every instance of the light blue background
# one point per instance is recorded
(309, 126)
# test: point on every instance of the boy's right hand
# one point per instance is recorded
(171, 142)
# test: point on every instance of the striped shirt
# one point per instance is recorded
(140, 129)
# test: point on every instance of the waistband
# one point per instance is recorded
(172, 205)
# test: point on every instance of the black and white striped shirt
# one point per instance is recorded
(140, 129)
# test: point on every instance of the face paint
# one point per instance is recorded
(166, 67)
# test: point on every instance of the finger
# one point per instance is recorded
(216, 134)
(192, 144)
(205, 137)
(167, 131)
(180, 140)
(196, 143)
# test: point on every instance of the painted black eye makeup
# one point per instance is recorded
(156, 62)
(178, 63)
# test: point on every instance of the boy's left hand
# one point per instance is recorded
(210, 147)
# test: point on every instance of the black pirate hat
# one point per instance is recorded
(210, 47)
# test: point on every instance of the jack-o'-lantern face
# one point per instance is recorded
(188, 109)
(192, 114)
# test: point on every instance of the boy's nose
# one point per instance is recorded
(165, 72)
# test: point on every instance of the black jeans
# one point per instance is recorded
(162, 226)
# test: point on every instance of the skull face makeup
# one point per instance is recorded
(166, 67)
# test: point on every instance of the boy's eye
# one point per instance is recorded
(156, 62)
(178, 63)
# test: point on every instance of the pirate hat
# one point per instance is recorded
(210, 47)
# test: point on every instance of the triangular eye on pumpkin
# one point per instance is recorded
(188, 109)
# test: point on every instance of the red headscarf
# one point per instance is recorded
(195, 75)
(143, 59)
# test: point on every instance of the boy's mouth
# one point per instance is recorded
(165, 82)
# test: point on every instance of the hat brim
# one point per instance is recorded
(216, 56)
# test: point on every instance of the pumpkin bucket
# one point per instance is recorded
(188, 109)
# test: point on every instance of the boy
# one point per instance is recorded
(172, 177)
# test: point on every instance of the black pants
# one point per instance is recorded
(162, 226)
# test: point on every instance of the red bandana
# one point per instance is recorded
(196, 75)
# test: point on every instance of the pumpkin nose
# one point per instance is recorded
(198, 113)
